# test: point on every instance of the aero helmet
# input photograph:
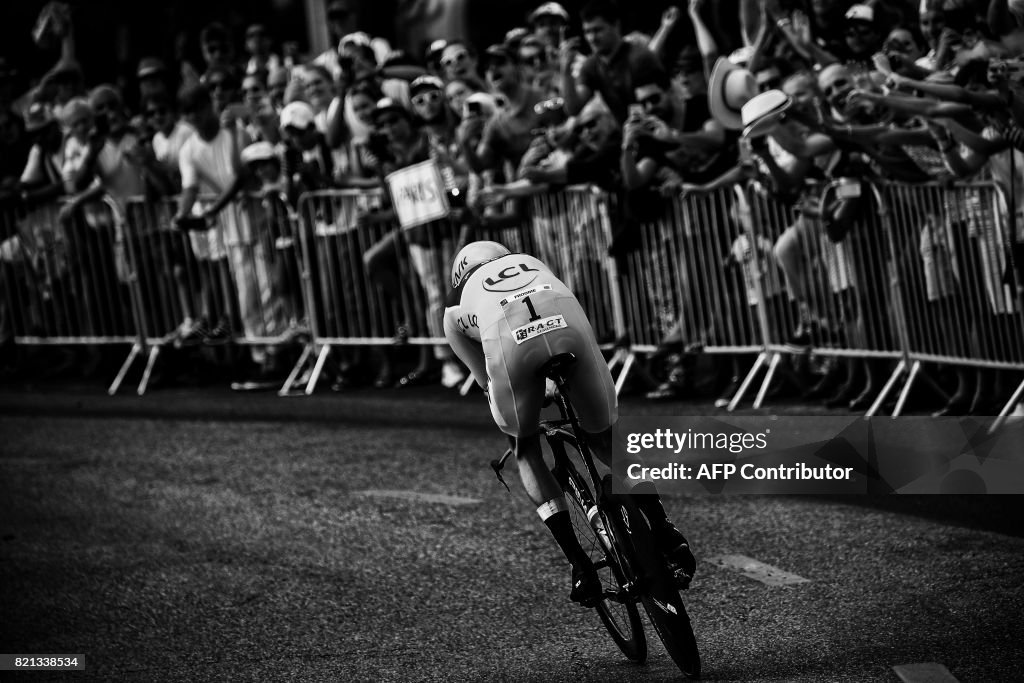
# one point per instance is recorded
(473, 254)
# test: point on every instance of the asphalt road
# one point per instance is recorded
(200, 535)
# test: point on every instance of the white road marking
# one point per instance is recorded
(759, 571)
(418, 497)
(925, 672)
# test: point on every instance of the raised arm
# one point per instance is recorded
(988, 100)
(915, 106)
(659, 43)
(575, 94)
(705, 40)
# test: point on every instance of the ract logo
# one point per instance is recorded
(521, 334)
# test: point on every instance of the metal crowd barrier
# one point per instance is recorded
(956, 280)
(570, 231)
(371, 283)
(833, 297)
(236, 280)
(689, 281)
(922, 275)
(65, 278)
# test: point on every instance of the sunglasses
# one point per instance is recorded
(859, 30)
(252, 90)
(389, 121)
(536, 59)
(554, 104)
(898, 46)
(836, 87)
(651, 101)
(157, 111)
(217, 85)
(429, 97)
(455, 59)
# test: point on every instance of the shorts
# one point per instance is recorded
(516, 391)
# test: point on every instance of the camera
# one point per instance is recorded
(1006, 70)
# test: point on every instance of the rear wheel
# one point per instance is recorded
(642, 560)
(618, 613)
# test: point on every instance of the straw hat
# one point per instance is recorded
(729, 89)
(763, 112)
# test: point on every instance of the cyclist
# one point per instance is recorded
(507, 315)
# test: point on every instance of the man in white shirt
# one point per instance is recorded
(205, 162)
(210, 165)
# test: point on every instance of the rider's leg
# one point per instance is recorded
(671, 541)
(546, 494)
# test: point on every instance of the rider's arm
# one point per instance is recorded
(469, 351)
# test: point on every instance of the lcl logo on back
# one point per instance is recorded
(508, 279)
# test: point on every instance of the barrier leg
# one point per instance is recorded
(748, 380)
(914, 370)
(1017, 397)
(154, 351)
(884, 393)
(307, 351)
(617, 357)
(627, 365)
(325, 351)
(767, 380)
(132, 355)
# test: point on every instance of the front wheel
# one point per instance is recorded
(643, 562)
(618, 611)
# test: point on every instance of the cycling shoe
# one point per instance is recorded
(586, 586)
(676, 550)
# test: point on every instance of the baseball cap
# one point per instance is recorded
(297, 115)
(150, 66)
(532, 41)
(387, 104)
(436, 48)
(499, 51)
(516, 35)
(549, 9)
(425, 83)
(860, 13)
(358, 39)
(259, 151)
(38, 115)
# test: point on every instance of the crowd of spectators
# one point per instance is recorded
(820, 90)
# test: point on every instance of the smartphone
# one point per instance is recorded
(848, 188)
(636, 111)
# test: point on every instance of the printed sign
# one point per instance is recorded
(418, 195)
(537, 328)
